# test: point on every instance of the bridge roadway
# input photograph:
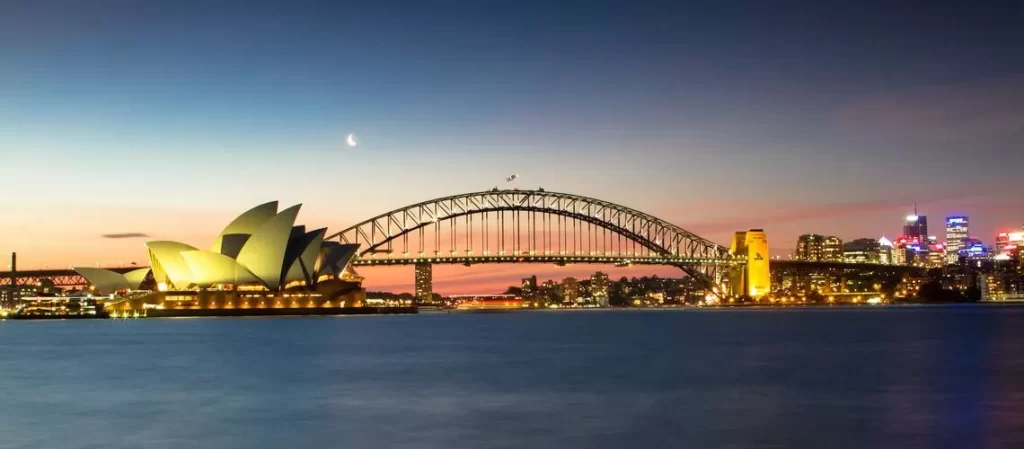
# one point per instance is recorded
(69, 278)
(557, 259)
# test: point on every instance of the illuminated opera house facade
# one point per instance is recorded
(261, 263)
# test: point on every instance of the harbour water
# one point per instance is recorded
(886, 377)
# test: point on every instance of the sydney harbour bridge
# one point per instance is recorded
(532, 226)
(512, 226)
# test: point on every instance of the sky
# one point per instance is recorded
(164, 120)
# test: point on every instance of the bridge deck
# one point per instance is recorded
(560, 259)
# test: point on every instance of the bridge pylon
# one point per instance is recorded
(752, 279)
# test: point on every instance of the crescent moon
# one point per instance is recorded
(350, 139)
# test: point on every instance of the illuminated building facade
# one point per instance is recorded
(832, 250)
(10, 296)
(956, 234)
(1002, 241)
(916, 253)
(819, 248)
(753, 279)
(915, 229)
(570, 290)
(1008, 242)
(862, 251)
(972, 250)
(488, 302)
(599, 288)
(886, 251)
(808, 247)
(937, 256)
(913, 247)
(424, 288)
(899, 252)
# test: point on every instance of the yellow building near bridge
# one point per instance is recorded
(754, 278)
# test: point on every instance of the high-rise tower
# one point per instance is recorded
(916, 227)
(956, 234)
(424, 282)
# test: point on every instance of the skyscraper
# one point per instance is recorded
(424, 282)
(916, 228)
(956, 234)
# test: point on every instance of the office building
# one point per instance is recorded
(973, 250)
(915, 229)
(1007, 242)
(862, 251)
(819, 248)
(937, 255)
(900, 252)
(956, 234)
(1002, 240)
(570, 290)
(424, 282)
(886, 251)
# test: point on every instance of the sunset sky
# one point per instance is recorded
(167, 119)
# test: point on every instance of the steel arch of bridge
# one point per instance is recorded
(660, 242)
(60, 278)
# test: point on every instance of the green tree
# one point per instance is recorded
(973, 294)
(932, 291)
(617, 294)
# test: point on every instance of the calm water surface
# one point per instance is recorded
(950, 377)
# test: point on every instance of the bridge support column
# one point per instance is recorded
(754, 278)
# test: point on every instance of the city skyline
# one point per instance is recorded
(120, 124)
(483, 279)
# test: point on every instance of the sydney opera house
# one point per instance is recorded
(260, 264)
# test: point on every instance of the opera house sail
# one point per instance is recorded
(262, 259)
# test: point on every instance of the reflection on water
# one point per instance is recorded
(865, 378)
